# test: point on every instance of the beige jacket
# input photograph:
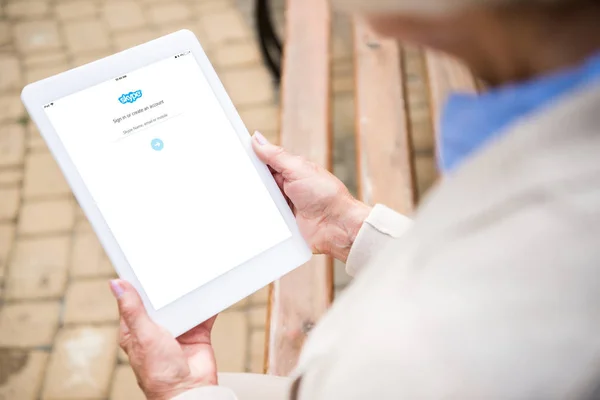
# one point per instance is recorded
(492, 293)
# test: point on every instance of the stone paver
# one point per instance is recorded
(88, 259)
(126, 40)
(229, 339)
(5, 36)
(427, 173)
(11, 73)
(168, 28)
(167, 13)
(343, 84)
(341, 48)
(86, 35)
(41, 72)
(85, 58)
(237, 54)
(11, 108)
(26, 9)
(22, 374)
(9, 203)
(105, 265)
(122, 357)
(123, 15)
(264, 119)
(422, 136)
(202, 37)
(248, 86)
(35, 141)
(43, 177)
(257, 317)
(57, 57)
(79, 214)
(32, 36)
(257, 351)
(260, 297)
(38, 268)
(422, 133)
(12, 144)
(343, 112)
(49, 216)
(81, 365)
(209, 7)
(30, 324)
(125, 385)
(11, 177)
(240, 304)
(90, 301)
(225, 26)
(7, 237)
(76, 9)
(82, 225)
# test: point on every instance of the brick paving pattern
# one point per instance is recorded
(58, 322)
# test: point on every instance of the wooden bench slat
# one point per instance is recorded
(299, 299)
(383, 141)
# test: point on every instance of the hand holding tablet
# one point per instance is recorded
(162, 165)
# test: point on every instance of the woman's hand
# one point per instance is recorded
(164, 366)
(328, 216)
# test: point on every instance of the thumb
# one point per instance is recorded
(290, 166)
(131, 307)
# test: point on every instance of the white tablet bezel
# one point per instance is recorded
(215, 296)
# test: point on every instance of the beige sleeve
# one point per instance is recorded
(243, 385)
(207, 393)
(381, 227)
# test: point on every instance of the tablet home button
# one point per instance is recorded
(157, 144)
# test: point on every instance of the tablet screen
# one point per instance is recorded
(169, 175)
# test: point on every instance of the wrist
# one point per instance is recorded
(350, 216)
(207, 392)
(179, 389)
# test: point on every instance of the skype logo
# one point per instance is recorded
(130, 97)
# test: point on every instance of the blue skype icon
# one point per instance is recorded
(130, 97)
(157, 144)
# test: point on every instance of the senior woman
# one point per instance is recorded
(493, 291)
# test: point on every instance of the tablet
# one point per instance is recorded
(162, 165)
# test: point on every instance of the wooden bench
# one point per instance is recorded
(399, 94)
(299, 299)
(390, 125)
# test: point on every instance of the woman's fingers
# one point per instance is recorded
(124, 336)
(290, 166)
(279, 179)
(135, 319)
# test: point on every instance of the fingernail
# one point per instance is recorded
(260, 138)
(116, 288)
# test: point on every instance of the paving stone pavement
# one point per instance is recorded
(58, 322)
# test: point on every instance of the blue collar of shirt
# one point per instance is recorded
(471, 120)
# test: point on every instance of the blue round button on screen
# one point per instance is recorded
(157, 144)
